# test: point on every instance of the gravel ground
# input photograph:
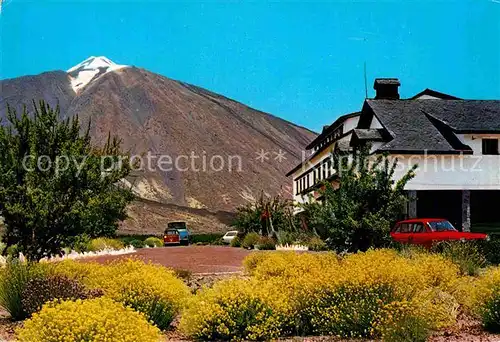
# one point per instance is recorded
(466, 330)
(197, 259)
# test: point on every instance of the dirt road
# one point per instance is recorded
(197, 259)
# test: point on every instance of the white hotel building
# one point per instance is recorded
(455, 143)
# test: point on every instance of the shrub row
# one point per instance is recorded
(481, 297)
(153, 291)
(82, 244)
(388, 294)
(374, 294)
(100, 319)
(140, 241)
(253, 240)
(102, 243)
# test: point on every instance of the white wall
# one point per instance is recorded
(451, 172)
(427, 97)
(351, 123)
(375, 124)
(475, 140)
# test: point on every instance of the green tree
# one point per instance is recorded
(360, 212)
(55, 185)
(266, 216)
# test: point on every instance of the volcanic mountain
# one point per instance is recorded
(217, 153)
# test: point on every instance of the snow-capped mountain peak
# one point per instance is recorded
(91, 69)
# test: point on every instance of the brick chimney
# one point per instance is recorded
(386, 88)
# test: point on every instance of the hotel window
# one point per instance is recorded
(490, 146)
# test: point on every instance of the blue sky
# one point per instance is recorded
(300, 61)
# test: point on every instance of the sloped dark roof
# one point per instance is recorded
(372, 134)
(430, 125)
(466, 116)
(436, 94)
(328, 129)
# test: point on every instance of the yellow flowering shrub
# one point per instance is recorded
(151, 289)
(401, 322)
(346, 310)
(266, 265)
(92, 320)
(407, 275)
(481, 297)
(237, 309)
(325, 294)
(83, 271)
(473, 293)
(102, 243)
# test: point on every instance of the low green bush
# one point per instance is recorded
(137, 243)
(466, 254)
(99, 244)
(183, 273)
(153, 242)
(250, 240)
(218, 242)
(79, 243)
(127, 238)
(236, 242)
(39, 291)
(208, 239)
(316, 244)
(12, 251)
(401, 321)
(491, 249)
(14, 278)
(266, 243)
(411, 329)
(293, 238)
(286, 238)
(490, 312)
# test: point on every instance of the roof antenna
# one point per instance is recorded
(4, 3)
(366, 86)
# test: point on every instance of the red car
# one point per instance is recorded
(171, 237)
(426, 231)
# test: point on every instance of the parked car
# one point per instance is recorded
(171, 237)
(184, 233)
(229, 236)
(426, 231)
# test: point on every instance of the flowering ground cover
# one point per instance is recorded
(383, 294)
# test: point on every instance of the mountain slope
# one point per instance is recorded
(164, 117)
(54, 87)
